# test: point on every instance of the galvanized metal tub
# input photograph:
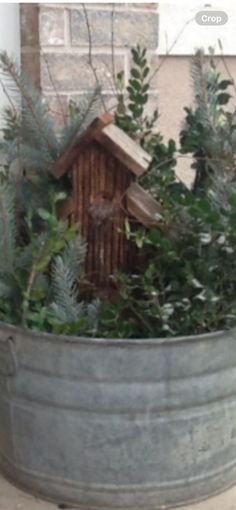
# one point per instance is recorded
(111, 424)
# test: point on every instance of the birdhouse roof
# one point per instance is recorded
(116, 141)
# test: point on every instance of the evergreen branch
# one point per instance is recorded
(65, 271)
(74, 255)
(65, 306)
(9, 68)
(88, 110)
(5, 290)
(7, 228)
(92, 315)
(5, 91)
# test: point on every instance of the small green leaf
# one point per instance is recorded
(135, 84)
(224, 84)
(135, 73)
(223, 98)
(146, 72)
(143, 99)
(45, 215)
(120, 75)
(145, 88)
(135, 56)
(59, 196)
(143, 63)
(136, 110)
(120, 80)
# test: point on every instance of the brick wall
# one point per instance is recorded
(55, 46)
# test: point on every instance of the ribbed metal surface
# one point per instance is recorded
(144, 424)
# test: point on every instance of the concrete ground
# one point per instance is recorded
(14, 499)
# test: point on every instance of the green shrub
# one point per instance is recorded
(188, 283)
(185, 280)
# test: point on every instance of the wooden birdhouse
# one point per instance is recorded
(103, 165)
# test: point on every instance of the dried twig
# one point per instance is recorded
(113, 64)
(90, 58)
(57, 113)
(55, 89)
(171, 48)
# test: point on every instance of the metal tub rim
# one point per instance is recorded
(115, 342)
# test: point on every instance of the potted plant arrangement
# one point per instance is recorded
(127, 402)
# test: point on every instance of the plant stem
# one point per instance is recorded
(25, 305)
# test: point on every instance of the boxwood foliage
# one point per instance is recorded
(187, 283)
